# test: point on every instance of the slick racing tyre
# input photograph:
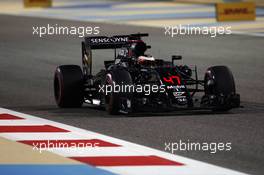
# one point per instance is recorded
(68, 86)
(116, 102)
(219, 87)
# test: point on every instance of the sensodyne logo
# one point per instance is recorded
(109, 40)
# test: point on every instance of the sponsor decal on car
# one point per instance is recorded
(109, 40)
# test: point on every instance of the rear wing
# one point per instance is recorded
(114, 42)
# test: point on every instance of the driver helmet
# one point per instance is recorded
(138, 48)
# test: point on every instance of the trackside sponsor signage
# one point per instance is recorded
(37, 3)
(237, 11)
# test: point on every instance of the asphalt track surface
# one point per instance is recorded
(27, 64)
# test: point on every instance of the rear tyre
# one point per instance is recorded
(68, 86)
(219, 87)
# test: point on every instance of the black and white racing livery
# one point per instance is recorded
(177, 87)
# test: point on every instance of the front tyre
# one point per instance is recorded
(68, 86)
(118, 102)
(220, 91)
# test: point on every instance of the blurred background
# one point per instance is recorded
(151, 13)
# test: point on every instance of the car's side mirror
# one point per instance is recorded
(175, 57)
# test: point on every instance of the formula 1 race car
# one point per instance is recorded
(136, 82)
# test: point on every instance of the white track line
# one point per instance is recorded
(98, 151)
(43, 136)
